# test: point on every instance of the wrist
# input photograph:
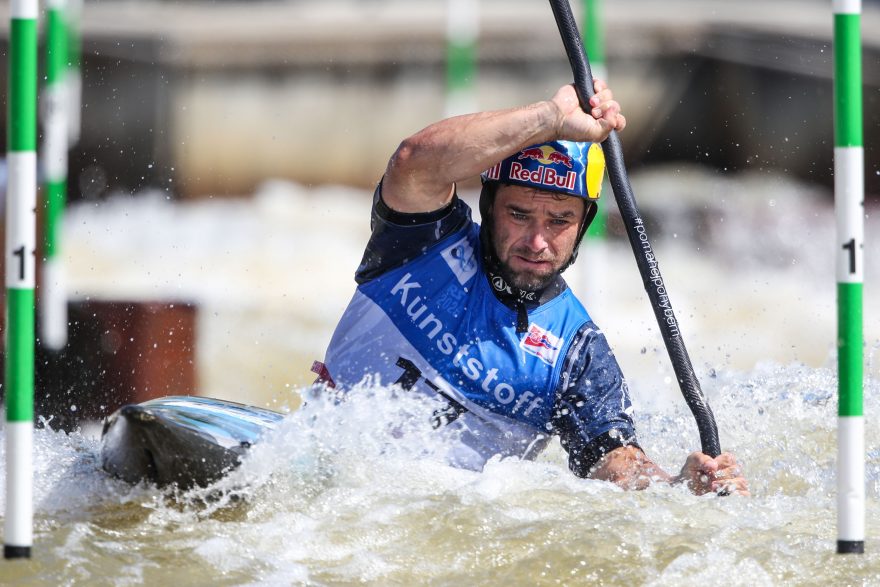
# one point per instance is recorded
(558, 119)
(552, 121)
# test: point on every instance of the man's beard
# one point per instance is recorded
(526, 280)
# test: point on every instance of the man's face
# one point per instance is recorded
(534, 233)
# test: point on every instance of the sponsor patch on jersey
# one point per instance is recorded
(541, 343)
(460, 258)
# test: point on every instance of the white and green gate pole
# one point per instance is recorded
(594, 264)
(55, 103)
(73, 12)
(594, 44)
(849, 197)
(462, 31)
(594, 37)
(21, 237)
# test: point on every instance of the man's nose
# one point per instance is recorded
(536, 239)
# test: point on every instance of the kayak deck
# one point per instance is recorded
(184, 440)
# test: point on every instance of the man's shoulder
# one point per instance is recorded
(398, 238)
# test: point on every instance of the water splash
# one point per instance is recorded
(359, 492)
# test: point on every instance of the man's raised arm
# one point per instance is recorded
(421, 174)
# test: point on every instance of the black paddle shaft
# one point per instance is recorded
(646, 259)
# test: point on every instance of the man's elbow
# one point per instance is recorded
(405, 158)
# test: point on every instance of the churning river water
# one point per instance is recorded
(359, 495)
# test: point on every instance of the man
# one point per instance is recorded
(479, 318)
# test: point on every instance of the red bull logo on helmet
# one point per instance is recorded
(545, 154)
(560, 166)
(543, 176)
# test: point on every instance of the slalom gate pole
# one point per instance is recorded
(594, 252)
(462, 30)
(55, 103)
(646, 259)
(21, 202)
(594, 42)
(74, 70)
(849, 205)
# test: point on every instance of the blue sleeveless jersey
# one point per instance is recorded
(434, 325)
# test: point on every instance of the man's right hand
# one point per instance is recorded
(594, 125)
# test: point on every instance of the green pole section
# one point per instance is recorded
(593, 38)
(847, 81)
(849, 362)
(20, 355)
(462, 30)
(849, 200)
(20, 276)
(56, 104)
(22, 119)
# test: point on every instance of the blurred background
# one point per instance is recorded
(219, 187)
(207, 99)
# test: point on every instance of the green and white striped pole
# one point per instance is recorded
(849, 204)
(21, 237)
(74, 71)
(594, 37)
(56, 101)
(594, 45)
(595, 255)
(462, 31)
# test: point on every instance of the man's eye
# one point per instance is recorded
(559, 222)
(518, 215)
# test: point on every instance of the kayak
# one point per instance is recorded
(186, 441)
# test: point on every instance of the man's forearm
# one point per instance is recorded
(421, 172)
(464, 146)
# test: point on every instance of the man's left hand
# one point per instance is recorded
(721, 475)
